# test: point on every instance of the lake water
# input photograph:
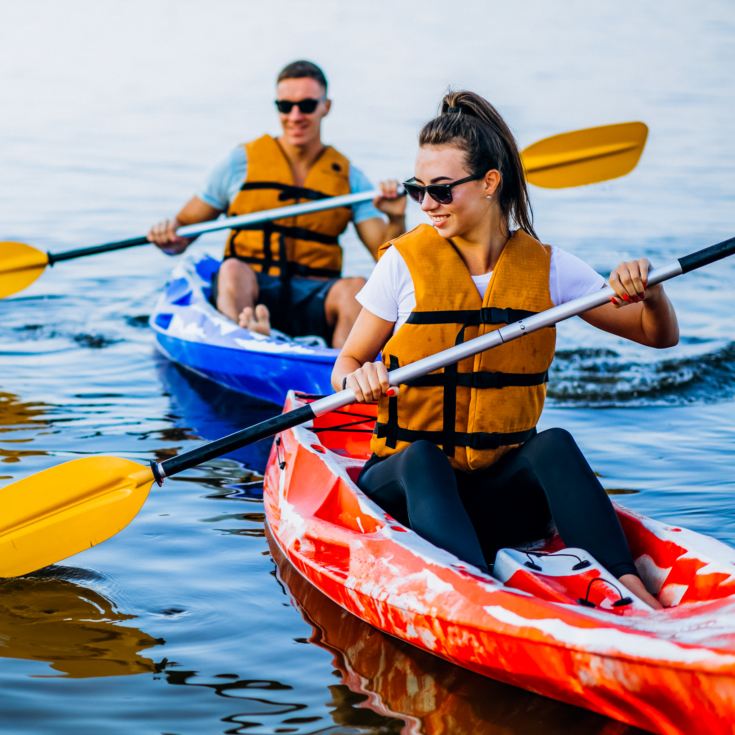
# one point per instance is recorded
(112, 114)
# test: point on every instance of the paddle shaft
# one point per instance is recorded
(228, 223)
(547, 318)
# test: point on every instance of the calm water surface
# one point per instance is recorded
(112, 114)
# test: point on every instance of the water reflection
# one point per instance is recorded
(211, 411)
(77, 631)
(414, 692)
(16, 418)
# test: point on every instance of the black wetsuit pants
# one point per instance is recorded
(518, 499)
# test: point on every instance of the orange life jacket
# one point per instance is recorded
(488, 403)
(306, 245)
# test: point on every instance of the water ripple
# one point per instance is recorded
(604, 377)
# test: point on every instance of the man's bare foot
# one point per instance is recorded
(636, 586)
(256, 320)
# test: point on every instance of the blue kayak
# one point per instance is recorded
(192, 333)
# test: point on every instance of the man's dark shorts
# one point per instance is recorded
(296, 308)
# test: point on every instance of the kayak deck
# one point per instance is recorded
(552, 630)
(192, 333)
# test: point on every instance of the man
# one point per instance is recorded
(289, 271)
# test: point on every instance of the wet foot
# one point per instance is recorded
(635, 585)
(256, 320)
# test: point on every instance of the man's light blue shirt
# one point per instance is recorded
(227, 176)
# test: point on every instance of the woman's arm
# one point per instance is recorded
(648, 317)
(367, 379)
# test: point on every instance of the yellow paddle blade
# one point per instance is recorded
(20, 265)
(585, 156)
(66, 509)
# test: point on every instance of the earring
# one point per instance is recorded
(489, 196)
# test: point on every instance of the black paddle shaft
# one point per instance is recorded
(707, 255)
(95, 249)
(229, 443)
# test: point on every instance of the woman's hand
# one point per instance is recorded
(630, 283)
(389, 201)
(368, 382)
(163, 235)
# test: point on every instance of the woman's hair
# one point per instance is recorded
(472, 124)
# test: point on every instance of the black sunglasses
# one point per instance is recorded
(306, 106)
(440, 193)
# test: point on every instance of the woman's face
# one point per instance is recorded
(443, 164)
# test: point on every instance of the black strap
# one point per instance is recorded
(473, 440)
(267, 259)
(284, 274)
(482, 380)
(449, 419)
(288, 191)
(299, 233)
(391, 438)
(294, 269)
(469, 317)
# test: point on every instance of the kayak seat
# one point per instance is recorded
(570, 576)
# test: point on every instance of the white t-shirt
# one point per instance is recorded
(390, 294)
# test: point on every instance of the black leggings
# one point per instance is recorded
(516, 500)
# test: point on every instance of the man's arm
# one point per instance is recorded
(375, 231)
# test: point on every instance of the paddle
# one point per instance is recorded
(569, 159)
(65, 509)
(585, 156)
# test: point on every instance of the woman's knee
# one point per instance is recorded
(552, 445)
(424, 463)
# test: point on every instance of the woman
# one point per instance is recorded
(456, 455)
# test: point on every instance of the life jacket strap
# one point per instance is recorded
(288, 191)
(478, 440)
(486, 379)
(469, 317)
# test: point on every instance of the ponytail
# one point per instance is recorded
(470, 122)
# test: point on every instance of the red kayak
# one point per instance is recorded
(549, 619)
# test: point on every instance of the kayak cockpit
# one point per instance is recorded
(677, 566)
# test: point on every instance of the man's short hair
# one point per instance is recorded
(302, 69)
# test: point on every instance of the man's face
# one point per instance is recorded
(301, 128)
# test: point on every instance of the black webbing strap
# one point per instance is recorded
(469, 317)
(486, 379)
(287, 191)
(298, 233)
(294, 269)
(284, 274)
(478, 440)
(449, 419)
(267, 259)
(392, 426)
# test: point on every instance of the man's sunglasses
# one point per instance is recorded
(306, 106)
(440, 193)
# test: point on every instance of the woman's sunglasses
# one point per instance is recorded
(306, 106)
(440, 193)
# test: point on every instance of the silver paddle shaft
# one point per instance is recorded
(291, 210)
(493, 339)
